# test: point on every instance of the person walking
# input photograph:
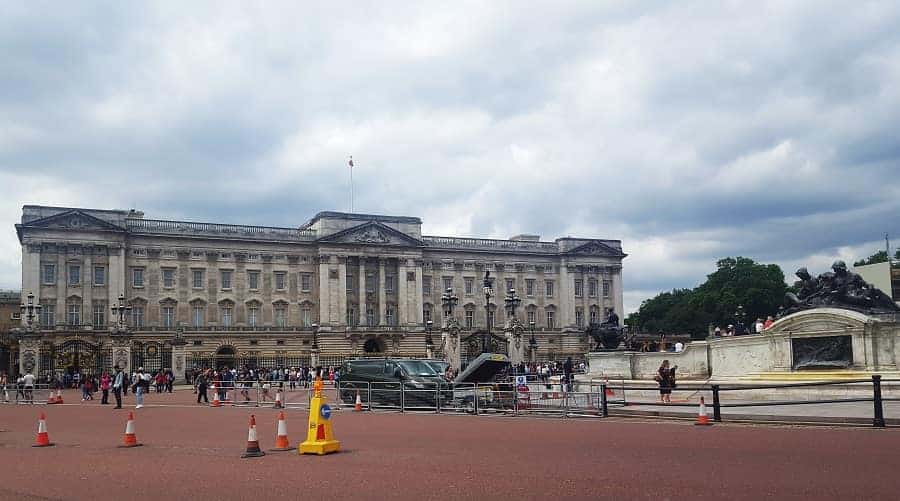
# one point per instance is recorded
(139, 388)
(665, 376)
(104, 387)
(118, 384)
(567, 374)
(28, 385)
(201, 382)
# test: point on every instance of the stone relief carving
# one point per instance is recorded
(371, 236)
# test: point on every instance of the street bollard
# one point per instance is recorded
(717, 410)
(878, 420)
(604, 409)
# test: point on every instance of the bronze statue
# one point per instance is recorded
(839, 288)
(607, 334)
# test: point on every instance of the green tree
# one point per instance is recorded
(758, 288)
(879, 257)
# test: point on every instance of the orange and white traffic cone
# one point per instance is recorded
(278, 404)
(702, 418)
(130, 437)
(358, 407)
(253, 450)
(43, 439)
(281, 438)
(216, 402)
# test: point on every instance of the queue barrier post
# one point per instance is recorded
(878, 420)
(604, 406)
(717, 408)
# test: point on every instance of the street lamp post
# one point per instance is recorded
(532, 343)
(488, 289)
(739, 315)
(120, 312)
(449, 300)
(512, 302)
(30, 311)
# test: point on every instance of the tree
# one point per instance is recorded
(879, 257)
(897, 254)
(758, 288)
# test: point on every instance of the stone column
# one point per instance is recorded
(62, 278)
(178, 360)
(30, 355)
(87, 288)
(362, 291)
(516, 340)
(402, 299)
(324, 306)
(342, 290)
(121, 352)
(381, 295)
(31, 271)
(116, 273)
(451, 341)
(566, 291)
(417, 296)
(615, 292)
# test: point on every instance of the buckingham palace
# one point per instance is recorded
(104, 288)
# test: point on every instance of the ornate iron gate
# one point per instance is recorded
(470, 346)
(152, 356)
(73, 356)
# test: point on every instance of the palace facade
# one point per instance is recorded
(342, 284)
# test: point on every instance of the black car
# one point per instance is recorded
(392, 381)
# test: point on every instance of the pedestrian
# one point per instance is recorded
(567, 374)
(28, 385)
(201, 382)
(104, 387)
(665, 376)
(86, 388)
(138, 387)
(118, 384)
(4, 380)
(768, 323)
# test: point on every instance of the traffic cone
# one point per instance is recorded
(130, 437)
(216, 402)
(702, 418)
(43, 439)
(281, 438)
(278, 404)
(358, 407)
(252, 442)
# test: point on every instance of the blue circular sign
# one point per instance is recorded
(325, 411)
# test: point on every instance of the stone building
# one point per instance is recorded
(340, 285)
(9, 319)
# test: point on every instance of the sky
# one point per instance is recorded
(689, 130)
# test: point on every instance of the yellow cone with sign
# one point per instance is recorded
(319, 437)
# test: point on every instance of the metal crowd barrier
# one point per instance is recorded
(20, 394)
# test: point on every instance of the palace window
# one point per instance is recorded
(426, 314)
(306, 316)
(426, 286)
(253, 316)
(137, 316)
(197, 279)
(351, 316)
(548, 288)
(370, 283)
(469, 285)
(594, 314)
(198, 315)
(49, 274)
(226, 278)
(99, 317)
(551, 319)
(579, 288)
(168, 317)
(530, 316)
(579, 317)
(389, 315)
(279, 280)
(226, 316)
(529, 287)
(73, 317)
(74, 274)
(137, 277)
(168, 277)
(606, 287)
(389, 284)
(305, 282)
(48, 314)
(470, 318)
(592, 288)
(349, 281)
(448, 282)
(510, 283)
(370, 316)
(99, 275)
(253, 280)
(280, 315)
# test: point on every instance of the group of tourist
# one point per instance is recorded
(23, 387)
(739, 329)
(245, 379)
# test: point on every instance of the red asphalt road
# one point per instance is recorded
(194, 453)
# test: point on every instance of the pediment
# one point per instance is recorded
(595, 248)
(73, 220)
(372, 233)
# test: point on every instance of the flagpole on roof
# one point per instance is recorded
(351, 182)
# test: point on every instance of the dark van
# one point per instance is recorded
(389, 381)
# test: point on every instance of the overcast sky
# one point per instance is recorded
(689, 130)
